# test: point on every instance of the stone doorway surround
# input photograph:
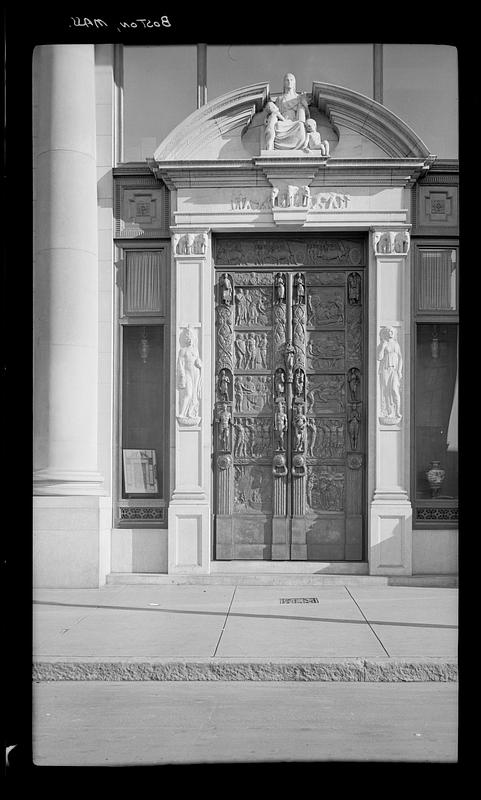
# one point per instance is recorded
(223, 179)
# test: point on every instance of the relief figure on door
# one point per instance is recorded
(253, 393)
(325, 489)
(325, 307)
(326, 437)
(252, 437)
(325, 350)
(253, 490)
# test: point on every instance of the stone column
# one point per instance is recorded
(390, 541)
(189, 509)
(66, 282)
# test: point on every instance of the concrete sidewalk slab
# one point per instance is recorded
(260, 625)
(411, 620)
(221, 632)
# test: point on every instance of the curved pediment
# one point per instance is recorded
(232, 127)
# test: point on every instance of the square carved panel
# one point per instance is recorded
(437, 206)
(141, 209)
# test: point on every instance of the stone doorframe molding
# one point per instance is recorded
(189, 509)
(390, 536)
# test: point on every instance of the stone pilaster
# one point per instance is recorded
(189, 509)
(390, 541)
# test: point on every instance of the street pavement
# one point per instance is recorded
(352, 632)
(149, 724)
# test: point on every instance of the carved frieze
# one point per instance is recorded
(288, 252)
(326, 278)
(253, 278)
(290, 196)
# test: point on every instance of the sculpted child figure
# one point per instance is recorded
(313, 139)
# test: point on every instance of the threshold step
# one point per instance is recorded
(247, 579)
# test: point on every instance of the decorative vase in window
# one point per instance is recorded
(435, 477)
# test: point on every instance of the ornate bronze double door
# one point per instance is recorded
(290, 411)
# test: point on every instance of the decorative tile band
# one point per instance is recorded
(434, 514)
(141, 513)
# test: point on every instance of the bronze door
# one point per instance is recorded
(289, 416)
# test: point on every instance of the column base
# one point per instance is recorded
(390, 540)
(67, 482)
(189, 539)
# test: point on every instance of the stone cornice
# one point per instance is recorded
(260, 171)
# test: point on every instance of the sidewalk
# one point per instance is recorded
(205, 632)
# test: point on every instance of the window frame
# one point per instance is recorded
(134, 512)
(443, 512)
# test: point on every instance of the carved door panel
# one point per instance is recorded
(289, 416)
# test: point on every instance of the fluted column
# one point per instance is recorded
(66, 283)
(391, 512)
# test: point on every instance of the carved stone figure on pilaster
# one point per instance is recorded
(280, 287)
(224, 421)
(354, 426)
(280, 384)
(201, 244)
(289, 353)
(401, 242)
(390, 375)
(223, 385)
(280, 424)
(189, 381)
(299, 288)
(354, 288)
(354, 382)
(311, 435)
(274, 194)
(225, 289)
(300, 424)
(299, 384)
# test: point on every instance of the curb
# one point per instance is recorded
(344, 670)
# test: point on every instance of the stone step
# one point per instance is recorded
(280, 579)
(248, 579)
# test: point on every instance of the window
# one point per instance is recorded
(435, 452)
(144, 389)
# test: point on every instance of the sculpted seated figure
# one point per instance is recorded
(285, 122)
